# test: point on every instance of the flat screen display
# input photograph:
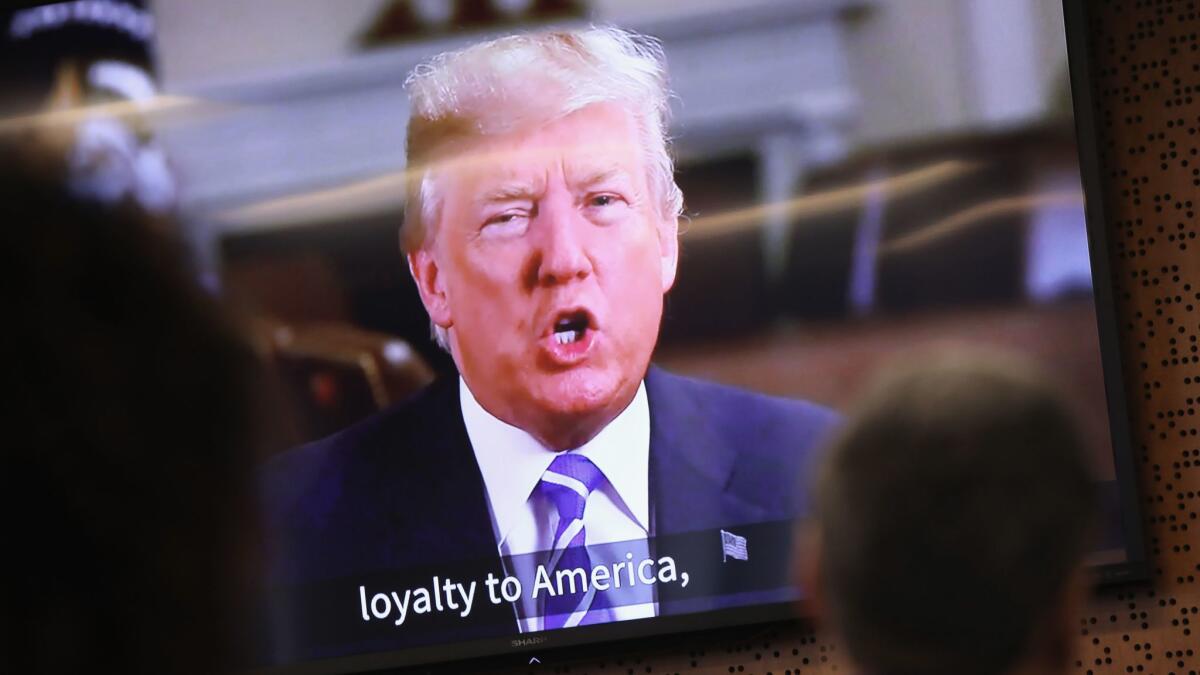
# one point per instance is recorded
(545, 402)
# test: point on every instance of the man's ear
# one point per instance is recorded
(668, 249)
(806, 568)
(431, 285)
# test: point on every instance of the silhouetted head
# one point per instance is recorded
(952, 514)
(127, 466)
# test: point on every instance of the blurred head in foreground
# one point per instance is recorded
(126, 505)
(951, 518)
(541, 221)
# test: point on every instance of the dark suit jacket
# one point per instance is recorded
(402, 489)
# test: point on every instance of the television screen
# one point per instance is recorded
(562, 321)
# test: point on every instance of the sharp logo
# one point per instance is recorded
(529, 641)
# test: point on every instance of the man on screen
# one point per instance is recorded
(541, 230)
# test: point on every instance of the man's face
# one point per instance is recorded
(548, 266)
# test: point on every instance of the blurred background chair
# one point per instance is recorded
(334, 374)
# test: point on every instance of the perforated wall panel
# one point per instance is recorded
(1146, 69)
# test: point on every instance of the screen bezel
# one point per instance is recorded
(1135, 567)
(548, 646)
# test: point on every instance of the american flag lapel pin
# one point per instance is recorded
(733, 546)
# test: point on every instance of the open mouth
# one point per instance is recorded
(570, 339)
(571, 327)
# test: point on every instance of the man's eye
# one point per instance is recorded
(603, 200)
(505, 218)
(505, 224)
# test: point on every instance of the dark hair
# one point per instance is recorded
(128, 498)
(952, 508)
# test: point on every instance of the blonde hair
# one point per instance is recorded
(506, 84)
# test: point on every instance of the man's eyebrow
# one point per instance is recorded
(602, 175)
(508, 192)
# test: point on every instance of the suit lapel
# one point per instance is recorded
(452, 501)
(691, 464)
(451, 523)
(689, 467)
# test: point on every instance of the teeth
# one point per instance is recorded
(566, 337)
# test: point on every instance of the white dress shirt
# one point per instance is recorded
(618, 510)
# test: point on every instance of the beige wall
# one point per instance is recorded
(213, 40)
(913, 64)
(904, 56)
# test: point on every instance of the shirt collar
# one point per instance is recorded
(512, 461)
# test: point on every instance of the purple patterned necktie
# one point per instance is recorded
(567, 484)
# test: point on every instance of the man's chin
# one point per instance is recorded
(584, 393)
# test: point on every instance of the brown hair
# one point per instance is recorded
(952, 508)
